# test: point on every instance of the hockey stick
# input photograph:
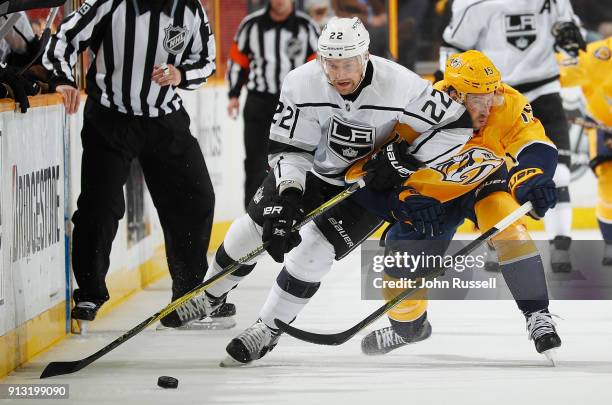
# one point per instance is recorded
(8, 25)
(589, 124)
(335, 339)
(44, 40)
(66, 367)
(13, 6)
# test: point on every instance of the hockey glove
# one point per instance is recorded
(390, 166)
(279, 216)
(568, 37)
(533, 185)
(426, 214)
(19, 88)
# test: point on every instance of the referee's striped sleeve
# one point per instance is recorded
(238, 64)
(200, 62)
(72, 37)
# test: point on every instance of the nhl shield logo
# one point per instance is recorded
(175, 39)
(348, 141)
(469, 167)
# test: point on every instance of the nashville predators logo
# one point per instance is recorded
(469, 167)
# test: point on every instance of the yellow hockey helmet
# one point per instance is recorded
(471, 72)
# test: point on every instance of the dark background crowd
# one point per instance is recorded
(419, 31)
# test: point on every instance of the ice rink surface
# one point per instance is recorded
(478, 354)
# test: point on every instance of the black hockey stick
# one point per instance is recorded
(66, 367)
(44, 40)
(13, 6)
(335, 339)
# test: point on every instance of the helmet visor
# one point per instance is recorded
(340, 68)
(480, 102)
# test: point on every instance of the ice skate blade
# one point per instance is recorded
(229, 361)
(551, 355)
(206, 324)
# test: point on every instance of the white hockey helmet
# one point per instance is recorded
(343, 38)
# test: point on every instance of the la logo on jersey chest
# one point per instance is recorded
(469, 167)
(520, 30)
(349, 141)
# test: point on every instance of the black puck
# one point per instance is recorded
(167, 382)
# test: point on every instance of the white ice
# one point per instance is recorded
(478, 354)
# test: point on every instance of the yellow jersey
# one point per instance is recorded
(592, 71)
(510, 134)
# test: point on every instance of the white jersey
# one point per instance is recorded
(316, 129)
(514, 34)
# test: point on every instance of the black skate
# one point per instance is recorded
(252, 344)
(560, 254)
(541, 329)
(85, 311)
(382, 341)
(607, 259)
(201, 313)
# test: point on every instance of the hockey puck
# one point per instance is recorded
(167, 382)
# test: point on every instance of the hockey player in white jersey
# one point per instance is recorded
(332, 112)
(520, 37)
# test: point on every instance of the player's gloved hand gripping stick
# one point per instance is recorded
(341, 337)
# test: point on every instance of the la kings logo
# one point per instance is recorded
(520, 30)
(350, 142)
(174, 41)
(469, 167)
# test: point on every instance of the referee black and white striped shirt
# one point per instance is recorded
(264, 50)
(128, 38)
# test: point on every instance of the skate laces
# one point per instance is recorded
(197, 307)
(386, 337)
(540, 323)
(255, 337)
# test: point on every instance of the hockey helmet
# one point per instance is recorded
(471, 72)
(346, 41)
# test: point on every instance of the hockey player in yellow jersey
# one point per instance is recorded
(591, 71)
(476, 184)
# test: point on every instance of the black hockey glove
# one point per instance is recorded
(426, 214)
(533, 185)
(19, 87)
(279, 216)
(390, 166)
(568, 37)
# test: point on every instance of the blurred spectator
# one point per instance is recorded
(410, 18)
(595, 15)
(319, 10)
(373, 14)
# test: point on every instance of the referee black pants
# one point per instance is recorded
(258, 113)
(178, 181)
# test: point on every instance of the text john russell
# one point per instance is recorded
(455, 282)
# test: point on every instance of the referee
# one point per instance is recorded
(143, 51)
(269, 43)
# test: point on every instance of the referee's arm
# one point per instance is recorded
(72, 37)
(238, 65)
(199, 62)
